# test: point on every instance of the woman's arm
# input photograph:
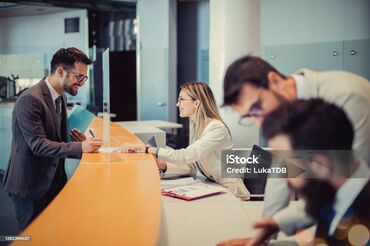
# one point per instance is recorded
(177, 170)
(215, 135)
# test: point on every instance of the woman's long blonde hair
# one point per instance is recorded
(206, 111)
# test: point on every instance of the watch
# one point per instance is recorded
(162, 172)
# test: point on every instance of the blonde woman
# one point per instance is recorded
(208, 136)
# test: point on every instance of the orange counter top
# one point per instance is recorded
(110, 200)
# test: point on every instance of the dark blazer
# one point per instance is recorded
(39, 143)
(357, 214)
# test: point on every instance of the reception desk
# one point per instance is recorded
(115, 199)
(111, 199)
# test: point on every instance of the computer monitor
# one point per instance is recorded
(152, 142)
(256, 184)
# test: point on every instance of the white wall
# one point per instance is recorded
(234, 32)
(243, 136)
(311, 21)
(44, 34)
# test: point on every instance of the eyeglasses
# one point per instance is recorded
(180, 99)
(255, 111)
(80, 77)
(249, 119)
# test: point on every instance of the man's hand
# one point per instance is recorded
(267, 227)
(161, 164)
(77, 135)
(91, 145)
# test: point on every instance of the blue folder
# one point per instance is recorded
(79, 118)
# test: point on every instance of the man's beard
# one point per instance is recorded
(69, 89)
(319, 196)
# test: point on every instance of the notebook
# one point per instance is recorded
(79, 118)
(194, 191)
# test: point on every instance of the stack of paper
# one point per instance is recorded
(172, 183)
(194, 191)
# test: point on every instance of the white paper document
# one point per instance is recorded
(108, 149)
(171, 183)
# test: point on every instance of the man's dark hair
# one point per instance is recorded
(246, 70)
(316, 126)
(311, 125)
(67, 58)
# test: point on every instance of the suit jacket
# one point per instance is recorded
(204, 154)
(357, 214)
(39, 143)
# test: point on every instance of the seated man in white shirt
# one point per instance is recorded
(337, 200)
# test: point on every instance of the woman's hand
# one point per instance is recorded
(129, 148)
(161, 164)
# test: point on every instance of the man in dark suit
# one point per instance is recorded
(39, 145)
(337, 190)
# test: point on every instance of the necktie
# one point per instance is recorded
(58, 103)
(327, 215)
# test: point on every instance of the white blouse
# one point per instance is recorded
(204, 154)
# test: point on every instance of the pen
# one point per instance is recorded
(91, 132)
